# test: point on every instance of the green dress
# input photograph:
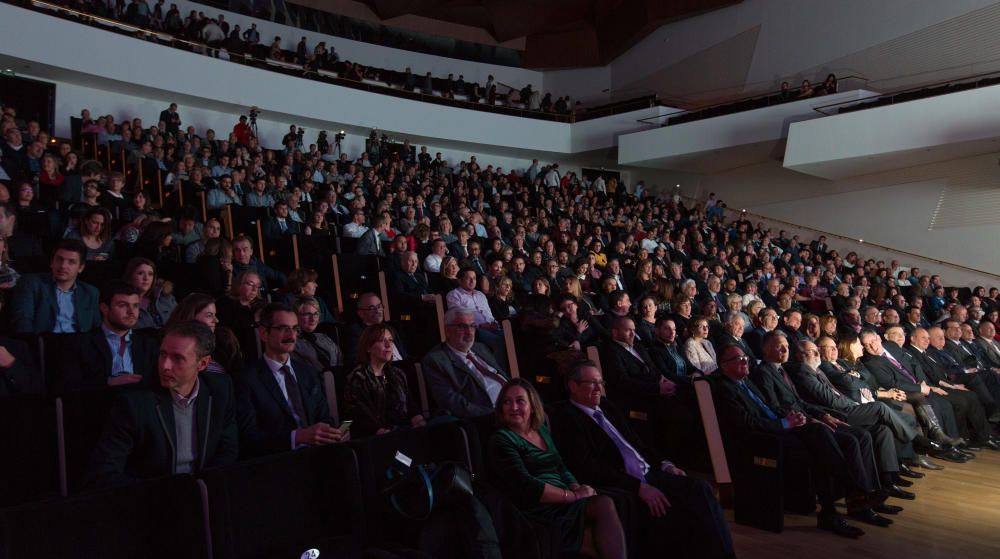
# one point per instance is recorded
(521, 470)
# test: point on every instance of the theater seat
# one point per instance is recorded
(153, 519)
(28, 447)
(280, 506)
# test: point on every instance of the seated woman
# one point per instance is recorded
(501, 300)
(315, 348)
(94, 229)
(527, 467)
(447, 280)
(376, 395)
(227, 357)
(303, 283)
(645, 320)
(236, 311)
(698, 349)
(156, 300)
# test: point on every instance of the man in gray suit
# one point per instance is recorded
(370, 242)
(463, 375)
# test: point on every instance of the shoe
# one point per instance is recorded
(921, 461)
(951, 456)
(994, 417)
(906, 471)
(900, 482)
(869, 516)
(835, 523)
(899, 493)
(924, 445)
(883, 508)
(992, 444)
(970, 447)
(967, 454)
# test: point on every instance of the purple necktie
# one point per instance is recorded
(635, 466)
(899, 366)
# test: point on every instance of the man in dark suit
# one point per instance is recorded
(184, 423)
(409, 285)
(877, 456)
(978, 375)
(462, 375)
(633, 379)
(934, 412)
(279, 225)
(892, 436)
(666, 356)
(989, 349)
(601, 449)
(767, 319)
(171, 119)
(370, 311)
(370, 242)
(114, 354)
(56, 302)
(281, 405)
(18, 372)
(745, 415)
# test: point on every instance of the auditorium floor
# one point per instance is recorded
(956, 515)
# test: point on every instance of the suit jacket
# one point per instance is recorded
(989, 352)
(846, 383)
(887, 375)
(139, 439)
(812, 387)
(409, 287)
(90, 366)
(627, 376)
(367, 244)
(34, 305)
(962, 354)
(265, 417)
(932, 365)
(272, 230)
(755, 339)
(738, 412)
(781, 396)
(455, 386)
(663, 360)
(23, 376)
(589, 452)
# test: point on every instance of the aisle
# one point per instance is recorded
(956, 515)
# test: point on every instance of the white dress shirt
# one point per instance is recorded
(474, 301)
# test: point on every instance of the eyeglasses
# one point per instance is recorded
(739, 358)
(309, 315)
(372, 308)
(466, 327)
(284, 328)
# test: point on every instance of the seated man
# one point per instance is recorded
(409, 285)
(113, 354)
(462, 375)
(468, 297)
(280, 225)
(744, 414)
(244, 260)
(602, 450)
(370, 311)
(56, 302)
(184, 423)
(632, 373)
(370, 242)
(281, 405)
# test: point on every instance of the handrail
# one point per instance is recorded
(955, 81)
(766, 95)
(166, 39)
(850, 239)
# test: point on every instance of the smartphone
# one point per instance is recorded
(345, 426)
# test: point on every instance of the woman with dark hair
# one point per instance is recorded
(645, 319)
(156, 243)
(94, 230)
(156, 300)
(302, 283)
(528, 468)
(236, 311)
(227, 357)
(376, 396)
(698, 348)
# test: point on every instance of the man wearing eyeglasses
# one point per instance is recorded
(280, 401)
(463, 375)
(370, 312)
(600, 447)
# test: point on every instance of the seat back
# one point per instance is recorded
(154, 519)
(28, 448)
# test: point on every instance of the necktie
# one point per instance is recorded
(785, 376)
(760, 403)
(484, 370)
(294, 396)
(122, 346)
(680, 367)
(899, 366)
(826, 381)
(635, 465)
(282, 225)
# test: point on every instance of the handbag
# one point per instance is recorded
(414, 490)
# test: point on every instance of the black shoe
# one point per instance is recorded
(906, 471)
(970, 447)
(868, 516)
(967, 454)
(899, 493)
(900, 482)
(923, 445)
(951, 456)
(883, 508)
(992, 444)
(921, 461)
(835, 523)
(994, 417)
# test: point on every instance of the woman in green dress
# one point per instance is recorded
(527, 466)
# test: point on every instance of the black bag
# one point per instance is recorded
(414, 491)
